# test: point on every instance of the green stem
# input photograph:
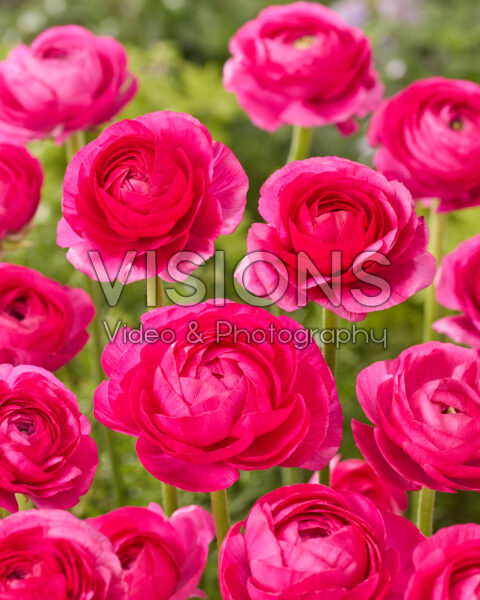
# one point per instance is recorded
(291, 476)
(324, 476)
(330, 324)
(169, 498)
(74, 143)
(300, 144)
(425, 510)
(437, 226)
(23, 502)
(221, 514)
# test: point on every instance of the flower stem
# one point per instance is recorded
(24, 503)
(221, 514)
(425, 510)
(437, 226)
(74, 143)
(300, 144)
(330, 324)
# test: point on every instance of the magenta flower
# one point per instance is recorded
(203, 410)
(41, 322)
(302, 64)
(157, 183)
(425, 406)
(50, 554)
(308, 541)
(337, 233)
(162, 559)
(46, 452)
(68, 79)
(428, 137)
(458, 288)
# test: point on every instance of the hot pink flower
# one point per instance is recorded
(302, 64)
(447, 565)
(162, 559)
(337, 233)
(50, 554)
(425, 406)
(157, 183)
(458, 288)
(308, 541)
(429, 138)
(68, 79)
(46, 452)
(41, 322)
(202, 410)
(21, 179)
(355, 475)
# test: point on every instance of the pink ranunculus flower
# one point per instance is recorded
(238, 389)
(311, 542)
(21, 179)
(447, 565)
(302, 64)
(162, 559)
(41, 322)
(458, 288)
(429, 139)
(425, 407)
(68, 79)
(156, 185)
(337, 233)
(46, 452)
(355, 475)
(52, 555)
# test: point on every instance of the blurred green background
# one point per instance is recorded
(177, 49)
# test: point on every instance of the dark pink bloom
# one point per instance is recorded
(203, 410)
(41, 322)
(21, 179)
(302, 64)
(46, 452)
(157, 183)
(52, 555)
(458, 288)
(68, 79)
(355, 475)
(337, 233)
(162, 559)
(429, 139)
(310, 542)
(447, 565)
(425, 406)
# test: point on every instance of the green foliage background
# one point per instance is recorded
(177, 49)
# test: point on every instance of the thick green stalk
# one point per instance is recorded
(425, 510)
(300, 144)
(74, 143)
(221, 514)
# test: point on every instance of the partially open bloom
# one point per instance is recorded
(156, 186)
(162, 559)
(52, 555)
(458, 288)
(425, 407)
(308, 541)
(68, 79)
(46, 452)
(429, 139)
(229, 391)
(41, 322)
(337, 233)
(302, 64)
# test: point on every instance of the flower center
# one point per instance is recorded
(128, 553)
(304, 42)
(456, 124)
(17, 308)
(25, 425)
(449, 411)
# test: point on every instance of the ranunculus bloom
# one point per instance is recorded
(425, 406)
(162, 559)
(21, 179)
(218, 400)
(46, 452)
(447, 565)
(52, 555)
(337, 233)
(157, 183)
(355, 475)
(302, 64)
(429, 138)
(310, 542)
(41, 322)
(458, 288)
(68, 79)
